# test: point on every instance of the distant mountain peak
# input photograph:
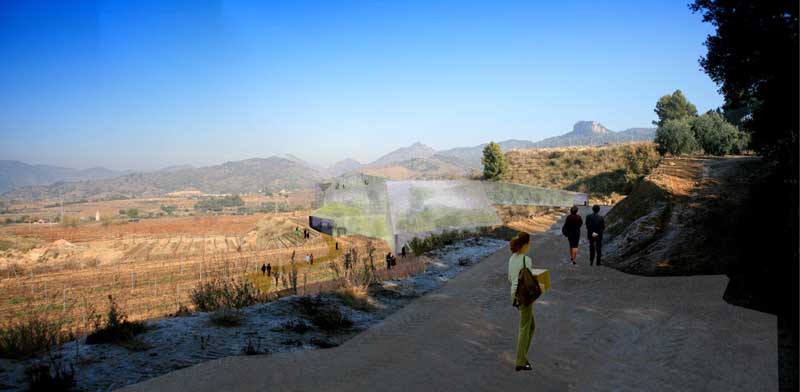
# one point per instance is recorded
(589, 128)
(344, 166)
(416, 150)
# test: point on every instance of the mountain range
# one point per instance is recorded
(21, 181)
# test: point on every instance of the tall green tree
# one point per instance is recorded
(753, 57)
(675, 137)
(716, 136)
(494, 162)
(674, 107)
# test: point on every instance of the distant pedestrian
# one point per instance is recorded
(519, 260)
(263, 269)
(347, 260)
(595, 225)
(403, 251)
(389, 260)
(311, 259)
(337, 245)
(269, 270)
(308, 258)
(572, 230)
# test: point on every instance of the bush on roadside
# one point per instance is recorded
(325, 316)
(215, 294)
(32, 335)
(226, 317)
(51, 376)
(118, 329)
(355, 297)
(331, 319)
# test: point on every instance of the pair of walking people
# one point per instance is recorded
(595, 226)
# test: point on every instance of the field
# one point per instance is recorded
(183, 203)
(150, 267)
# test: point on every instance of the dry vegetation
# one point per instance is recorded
(152, 267)
(605, 172)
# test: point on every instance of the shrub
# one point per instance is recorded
(639, 162)
(296, 326)
(32, 335)
(675, 137)
(326, 317)
(226, 317)
(50, 376)
(331, 319)
(117, 329)
(309, 305)
(220, 293)
(355, 297)
(716, 136)
(253, 349)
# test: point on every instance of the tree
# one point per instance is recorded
(494, 162)
(753, 57)
(675, 136)
(132, 213)
(715, 135)
(674, 107)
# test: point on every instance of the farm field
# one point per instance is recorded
(150, 267)
(182, 202)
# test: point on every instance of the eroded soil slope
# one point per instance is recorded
(682, 219)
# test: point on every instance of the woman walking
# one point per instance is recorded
(572, 230)
(518, 260)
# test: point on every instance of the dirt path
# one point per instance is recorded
(597, 330)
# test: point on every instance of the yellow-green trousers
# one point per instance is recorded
(526, 327)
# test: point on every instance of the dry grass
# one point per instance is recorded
(32, 335)
(356, 298)
(599, 171)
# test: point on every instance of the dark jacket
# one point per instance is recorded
(572, 225)
(595, 224)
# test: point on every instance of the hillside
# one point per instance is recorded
(584, 133)
(599, 171)
(434, 167)
(14, 174)
(245, 176)
(682, 219)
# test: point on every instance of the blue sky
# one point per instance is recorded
(138, 85)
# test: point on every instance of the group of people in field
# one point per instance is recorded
(520, 263)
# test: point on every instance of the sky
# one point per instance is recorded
(143, 85)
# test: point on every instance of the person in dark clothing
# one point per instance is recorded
(389, 260)
(337, 245)
(263, 269)
(572, 230)
(403, 252)
(269, 269)
(595, 225)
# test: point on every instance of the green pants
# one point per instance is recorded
(526, 327)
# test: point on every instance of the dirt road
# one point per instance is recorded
(597, 330)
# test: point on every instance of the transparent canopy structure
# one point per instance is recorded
(396, 211)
